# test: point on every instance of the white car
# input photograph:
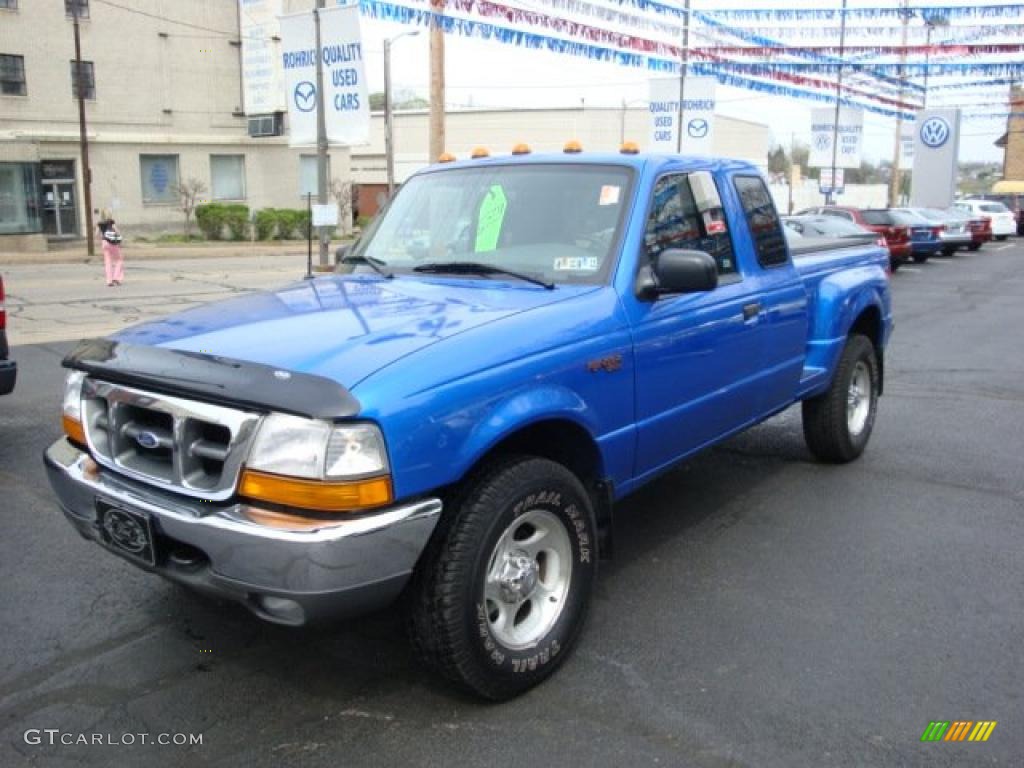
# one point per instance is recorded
(1003, 222)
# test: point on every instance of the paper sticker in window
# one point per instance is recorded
(490, 219)
(609, 195)
(577, 264)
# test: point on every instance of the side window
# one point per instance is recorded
(676, 222)
(763, 220)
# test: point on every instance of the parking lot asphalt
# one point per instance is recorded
(761, 609)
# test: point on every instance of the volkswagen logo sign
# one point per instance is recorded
(934, 132)
(125, 531)
(147, 440)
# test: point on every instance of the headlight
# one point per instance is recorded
(71, 410)
(315, 465)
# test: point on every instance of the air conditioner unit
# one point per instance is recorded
(266, 125)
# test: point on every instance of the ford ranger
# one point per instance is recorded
(514, 346)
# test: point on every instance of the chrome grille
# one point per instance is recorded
(191, 447)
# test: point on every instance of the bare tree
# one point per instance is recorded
(344, 193)
(190, 194)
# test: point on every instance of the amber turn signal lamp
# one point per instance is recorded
(479, 152)
(446, 157)
(316, 495)
(629, 148)
(73, 429)
(521, 149)
(572, 147)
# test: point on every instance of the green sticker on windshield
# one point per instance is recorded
(490, 218)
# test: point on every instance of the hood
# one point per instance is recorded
(343, 327)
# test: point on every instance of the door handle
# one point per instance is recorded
(751, 311)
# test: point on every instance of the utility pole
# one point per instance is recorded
(683, 65)
(897, 145)
(389, 129)
(321, 134)
(83, 137)
(830, 198)
(437, 140)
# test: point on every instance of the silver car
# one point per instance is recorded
(955, 232)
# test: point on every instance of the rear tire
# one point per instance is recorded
(894, 264)
(501, 594)
(1000, 238)
(948, 251)
(973, 246)
(838, 423)
(920, 258)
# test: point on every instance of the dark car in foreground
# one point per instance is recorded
(8, 368)
(925, 240)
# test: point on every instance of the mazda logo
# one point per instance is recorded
(697, 128)
(125, 531)
(822, 141)
(934, 132)
(305, 96)
(147, 440)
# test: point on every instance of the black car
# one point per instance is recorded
(8, 368)
(828, 226)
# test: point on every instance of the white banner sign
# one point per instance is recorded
(850, 137)
(262, 86)
(324, 215)
(346, 103)
(698, 115)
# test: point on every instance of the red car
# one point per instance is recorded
(8, 368)
(879, 220)
(981, 231)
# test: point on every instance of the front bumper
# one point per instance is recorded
(8, 375)
(284, 575)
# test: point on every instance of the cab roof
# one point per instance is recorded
(639, 161)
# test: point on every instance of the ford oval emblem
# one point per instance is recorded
(147, 440)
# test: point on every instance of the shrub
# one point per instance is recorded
(211, 218)
(265, 223)
(236, 216)
(291, 223)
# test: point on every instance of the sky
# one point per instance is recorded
(490, 73)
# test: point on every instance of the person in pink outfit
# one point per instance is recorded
(113, 261)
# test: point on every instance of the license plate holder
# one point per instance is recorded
(128, 532)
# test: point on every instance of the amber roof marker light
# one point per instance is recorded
(479, 153)
(572, 147)
(446, 157)
(629, 148)
(521, 149)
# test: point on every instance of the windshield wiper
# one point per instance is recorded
(478, 268)
(377, 264)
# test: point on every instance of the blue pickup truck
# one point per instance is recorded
(515, 345)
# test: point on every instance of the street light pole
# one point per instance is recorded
(389, 140)
(830, 198)
(321, 134)
(83, 137)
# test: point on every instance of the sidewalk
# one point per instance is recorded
(136, 251)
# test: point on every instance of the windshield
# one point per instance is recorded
(556, 222)
(831, 226)
(994, 208)
(878, 218)
(908, 219)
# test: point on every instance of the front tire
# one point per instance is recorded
(973, 246)
(1000, 238)
(920, 258)
(838, 423)
(502, 591)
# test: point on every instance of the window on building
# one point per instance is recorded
(82, 6)
(676, 222)
(763, 221)
(12, 75)
(227, 173)
(83, 75)
(266, 125)
(10, 5)
(308, 176)
(19, 198)
(159, 178)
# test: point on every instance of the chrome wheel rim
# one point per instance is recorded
(858, 399)
(527, 579)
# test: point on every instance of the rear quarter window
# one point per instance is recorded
(763, 221)
(878, 218)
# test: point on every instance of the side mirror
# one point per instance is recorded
(677, 271)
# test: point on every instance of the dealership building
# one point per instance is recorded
(164, 105)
